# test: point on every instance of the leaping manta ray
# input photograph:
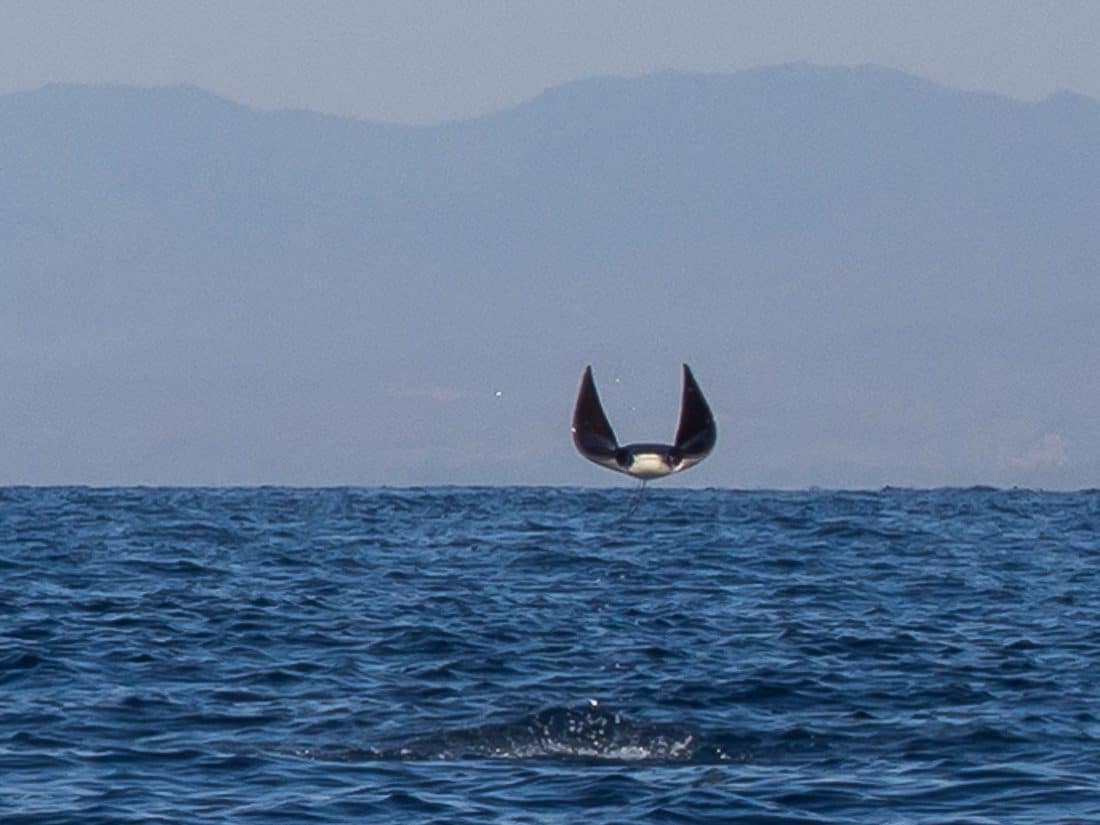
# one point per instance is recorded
(595, 440)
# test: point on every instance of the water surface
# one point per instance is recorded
(526, 655)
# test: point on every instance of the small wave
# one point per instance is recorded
(585, 733)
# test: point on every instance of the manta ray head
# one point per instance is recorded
(647, 461)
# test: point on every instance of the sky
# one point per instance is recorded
(427, 62)
(423, 62)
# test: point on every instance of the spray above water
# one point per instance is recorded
(582, 733)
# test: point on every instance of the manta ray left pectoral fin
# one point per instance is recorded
(592, 433)
(697, 432)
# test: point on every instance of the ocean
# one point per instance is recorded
(538, 655)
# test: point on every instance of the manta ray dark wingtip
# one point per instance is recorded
(697, 431)
(592, 433)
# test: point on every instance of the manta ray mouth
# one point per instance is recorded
(648, 465)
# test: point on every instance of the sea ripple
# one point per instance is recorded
(534, 655)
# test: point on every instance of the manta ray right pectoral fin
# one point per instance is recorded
(592, 433)
(697, 432)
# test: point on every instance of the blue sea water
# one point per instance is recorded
(527, 655)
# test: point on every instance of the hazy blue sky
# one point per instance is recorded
(896, 286)
(410, 61)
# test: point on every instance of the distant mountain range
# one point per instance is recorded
(876, 279)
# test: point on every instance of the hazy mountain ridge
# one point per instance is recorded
(878, 280)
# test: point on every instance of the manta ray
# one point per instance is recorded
(595, 440)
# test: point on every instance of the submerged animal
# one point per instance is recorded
(595, 440)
